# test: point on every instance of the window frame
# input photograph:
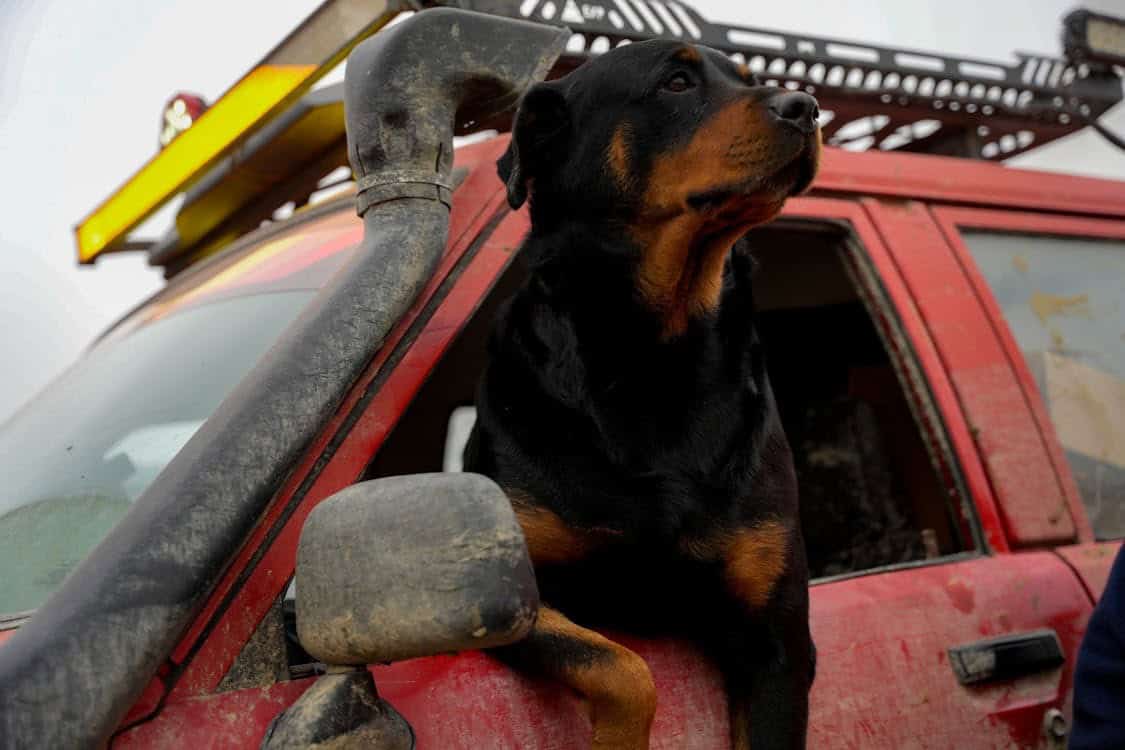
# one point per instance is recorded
(953, 220)
(920, 374)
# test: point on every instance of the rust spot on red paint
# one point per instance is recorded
(961, 595)
(905, 650)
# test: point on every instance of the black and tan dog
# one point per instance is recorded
(625, 407)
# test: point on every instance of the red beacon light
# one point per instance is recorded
(181, 111)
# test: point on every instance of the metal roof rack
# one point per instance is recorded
(878, 97)
(249, 160)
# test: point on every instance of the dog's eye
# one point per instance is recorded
(678, 82)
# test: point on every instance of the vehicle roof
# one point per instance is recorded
(948, 179)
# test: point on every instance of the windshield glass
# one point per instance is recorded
(76, 457)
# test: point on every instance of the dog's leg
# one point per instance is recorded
(767, 686)
(760, 638)
(615, 682)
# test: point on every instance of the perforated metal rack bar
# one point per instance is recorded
(872, 96)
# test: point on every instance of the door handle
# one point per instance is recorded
(1006, 657)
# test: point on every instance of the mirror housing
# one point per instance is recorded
(411, 566)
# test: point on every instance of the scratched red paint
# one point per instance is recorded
(483, 704)
(871, 695)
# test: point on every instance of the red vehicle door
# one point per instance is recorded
(886, 640)
(892, 636)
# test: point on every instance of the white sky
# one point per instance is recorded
(82, 85)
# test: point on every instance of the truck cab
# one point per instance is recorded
(944, 338)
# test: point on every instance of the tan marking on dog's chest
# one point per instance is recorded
(549, 539)
(683, 250)
(755, 561)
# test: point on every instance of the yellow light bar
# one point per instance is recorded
(288, 71)
(196, 148)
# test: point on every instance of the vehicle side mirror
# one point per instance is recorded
(411, 566)
(394, 569)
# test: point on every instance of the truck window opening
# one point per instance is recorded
(870, 494)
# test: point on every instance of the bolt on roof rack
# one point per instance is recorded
(872, 96)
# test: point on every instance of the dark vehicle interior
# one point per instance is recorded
(870, 494)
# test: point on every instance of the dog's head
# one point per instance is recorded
(678, 146)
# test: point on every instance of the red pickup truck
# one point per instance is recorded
(945, 337)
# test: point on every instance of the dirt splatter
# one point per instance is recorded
(1019, 263)
(961, 595)
(1046, 305)
(1057, 341)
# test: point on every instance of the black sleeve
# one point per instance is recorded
(1099, 680)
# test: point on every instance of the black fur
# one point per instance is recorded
(589, 408)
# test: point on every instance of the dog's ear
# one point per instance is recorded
(539, 132)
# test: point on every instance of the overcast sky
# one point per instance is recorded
(82, 85)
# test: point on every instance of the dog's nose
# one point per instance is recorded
(796, 107)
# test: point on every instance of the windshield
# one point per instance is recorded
(76, 457)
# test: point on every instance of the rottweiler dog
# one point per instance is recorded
(625, 406)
